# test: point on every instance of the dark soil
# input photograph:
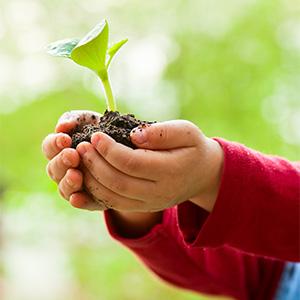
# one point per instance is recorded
(112, 123)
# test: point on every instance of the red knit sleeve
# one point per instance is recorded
(164, 252)
(258, 206)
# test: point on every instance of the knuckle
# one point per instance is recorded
(50, 172)
(62, 193)
(58, 165)
(47, 145)
(71, 184)
(65, 157)
(44, 148)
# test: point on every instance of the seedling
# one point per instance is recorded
(92, 52)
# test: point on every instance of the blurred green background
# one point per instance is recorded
(232, 67)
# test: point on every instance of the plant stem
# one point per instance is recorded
(110, 101)
(109, 61)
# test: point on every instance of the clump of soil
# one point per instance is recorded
(112, 123)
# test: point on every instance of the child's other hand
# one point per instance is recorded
(175, 162)
(64, 161)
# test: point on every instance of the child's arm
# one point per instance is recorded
(257, 208)
(258, 205)
(166, 241)
(134, 224)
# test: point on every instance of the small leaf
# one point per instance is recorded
(90, 52)
(114, 49)
(62, 48)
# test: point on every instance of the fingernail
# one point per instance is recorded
(61, 142)
(81, 148)
(70, 182)
(66, 160)
(139, 135)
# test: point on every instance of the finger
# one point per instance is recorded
(71, 183)
(113, 179)
(54, 143)
(138, 163)
(84, 201)
(109, 198)
(69, 120)
(58, 166)
(166, 135)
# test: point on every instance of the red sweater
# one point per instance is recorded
(240, 248)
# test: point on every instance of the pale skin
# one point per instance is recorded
(175, 162)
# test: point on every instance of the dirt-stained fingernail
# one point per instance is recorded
(82, 149)
(95, 139)
(61, 142)
(139, 135)
(70, 182)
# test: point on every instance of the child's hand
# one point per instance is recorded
(64, 160)
(185, 165)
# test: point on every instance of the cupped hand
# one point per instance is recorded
(175, 162)
(64, 161)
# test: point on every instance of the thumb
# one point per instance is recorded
(70, 119)
(166, 135)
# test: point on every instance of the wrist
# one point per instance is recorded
(134, 224)
(213, 161)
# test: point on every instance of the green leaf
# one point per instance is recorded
(62, 48)
(114, 49)
(90, 52)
